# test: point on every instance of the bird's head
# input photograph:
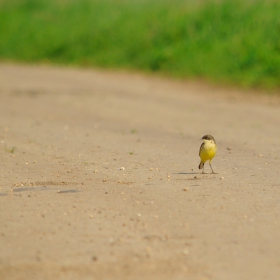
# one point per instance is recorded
(209, 138)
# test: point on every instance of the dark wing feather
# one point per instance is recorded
(200, 148)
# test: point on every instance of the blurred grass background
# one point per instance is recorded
(229, 42)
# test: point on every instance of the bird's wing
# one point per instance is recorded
(200, 148)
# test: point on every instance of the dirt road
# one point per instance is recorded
(99, 178)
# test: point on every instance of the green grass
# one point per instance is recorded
(10, 150)
(232, 42)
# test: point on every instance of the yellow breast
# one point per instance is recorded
(207, 151)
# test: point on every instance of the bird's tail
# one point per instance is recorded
(201, 165)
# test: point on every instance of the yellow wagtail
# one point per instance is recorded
(207, 151)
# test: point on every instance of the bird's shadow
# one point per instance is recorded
(187, 173)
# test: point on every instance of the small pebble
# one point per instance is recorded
(222, 178)
(185, 251)
(185, 189)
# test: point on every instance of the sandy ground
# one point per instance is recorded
(99, 178)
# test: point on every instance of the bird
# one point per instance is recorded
(207, 151)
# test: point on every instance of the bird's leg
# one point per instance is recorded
(202, 169)
(212, 168)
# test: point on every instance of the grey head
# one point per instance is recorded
(209, 137)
